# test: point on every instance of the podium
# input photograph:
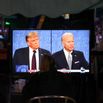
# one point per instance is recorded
(74, 70)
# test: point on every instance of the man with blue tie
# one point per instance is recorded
(69, 58)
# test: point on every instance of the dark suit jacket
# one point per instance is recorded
(77, 57)
(21, 56)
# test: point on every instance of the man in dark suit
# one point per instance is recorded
(22, 60)
(69, 58)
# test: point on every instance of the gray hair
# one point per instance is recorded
(66, 33)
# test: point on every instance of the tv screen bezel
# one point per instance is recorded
(48, 29)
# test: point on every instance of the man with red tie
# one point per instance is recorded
(23, 56)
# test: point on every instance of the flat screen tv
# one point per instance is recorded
(51, 40)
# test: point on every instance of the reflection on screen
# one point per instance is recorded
(51, 40)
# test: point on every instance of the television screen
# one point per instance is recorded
(51, 41)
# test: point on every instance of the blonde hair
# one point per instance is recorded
(31, 34)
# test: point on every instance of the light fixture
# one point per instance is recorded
(66, 16)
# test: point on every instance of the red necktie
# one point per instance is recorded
(33, 61)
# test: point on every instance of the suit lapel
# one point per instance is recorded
(40, 55)
(27, 56)
(64, 61)
(74, 59)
